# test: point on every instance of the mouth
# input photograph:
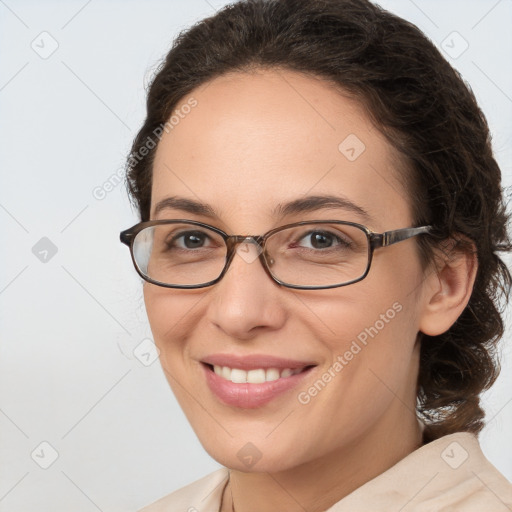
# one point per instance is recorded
(256, 375)
(256, 383)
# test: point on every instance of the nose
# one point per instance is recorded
(246, 300)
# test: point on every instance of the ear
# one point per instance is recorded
(449, 284)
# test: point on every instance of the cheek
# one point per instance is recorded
(372, 339)
(158, 312)
(372, 361)
(170, 314)
(373, 334)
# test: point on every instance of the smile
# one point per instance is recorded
(262, 380)
(256, 376)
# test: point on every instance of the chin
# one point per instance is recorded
(251, 458)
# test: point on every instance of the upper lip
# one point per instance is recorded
(254, 361)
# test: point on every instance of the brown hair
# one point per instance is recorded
(426, 111)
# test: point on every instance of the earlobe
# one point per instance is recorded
(448, 288)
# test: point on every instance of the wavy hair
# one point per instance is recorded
(427, 113)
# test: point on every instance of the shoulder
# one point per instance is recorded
(463, 479)
(202, 495)
(478, 485)
(448, 474)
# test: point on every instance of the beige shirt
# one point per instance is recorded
(450, 474)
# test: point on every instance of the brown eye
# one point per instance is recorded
(189, 240)
(324, 240)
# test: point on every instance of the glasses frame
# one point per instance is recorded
(375, 241)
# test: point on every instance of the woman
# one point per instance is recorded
(320, 215)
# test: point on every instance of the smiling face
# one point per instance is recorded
(252, 143)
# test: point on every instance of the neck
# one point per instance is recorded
(318, 484)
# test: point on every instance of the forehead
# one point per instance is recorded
(254, 140)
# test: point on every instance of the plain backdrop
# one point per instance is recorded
(76, 397)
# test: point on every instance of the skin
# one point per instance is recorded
(256, 139)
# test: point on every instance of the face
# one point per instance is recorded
(251, 142)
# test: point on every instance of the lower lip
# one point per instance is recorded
(250, 396)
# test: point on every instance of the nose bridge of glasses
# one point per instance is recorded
(237, 240)
(247, 247)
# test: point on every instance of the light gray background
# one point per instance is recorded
(69, 326)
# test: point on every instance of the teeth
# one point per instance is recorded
(257, 376)
(238, 376)
(253, 376)
(272, 374)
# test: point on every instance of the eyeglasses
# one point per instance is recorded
(305, 255)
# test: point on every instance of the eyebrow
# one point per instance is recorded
(300, 205)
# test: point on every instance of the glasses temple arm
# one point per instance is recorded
(398, 235)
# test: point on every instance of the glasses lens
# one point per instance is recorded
(318, 254)
(179, 253)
